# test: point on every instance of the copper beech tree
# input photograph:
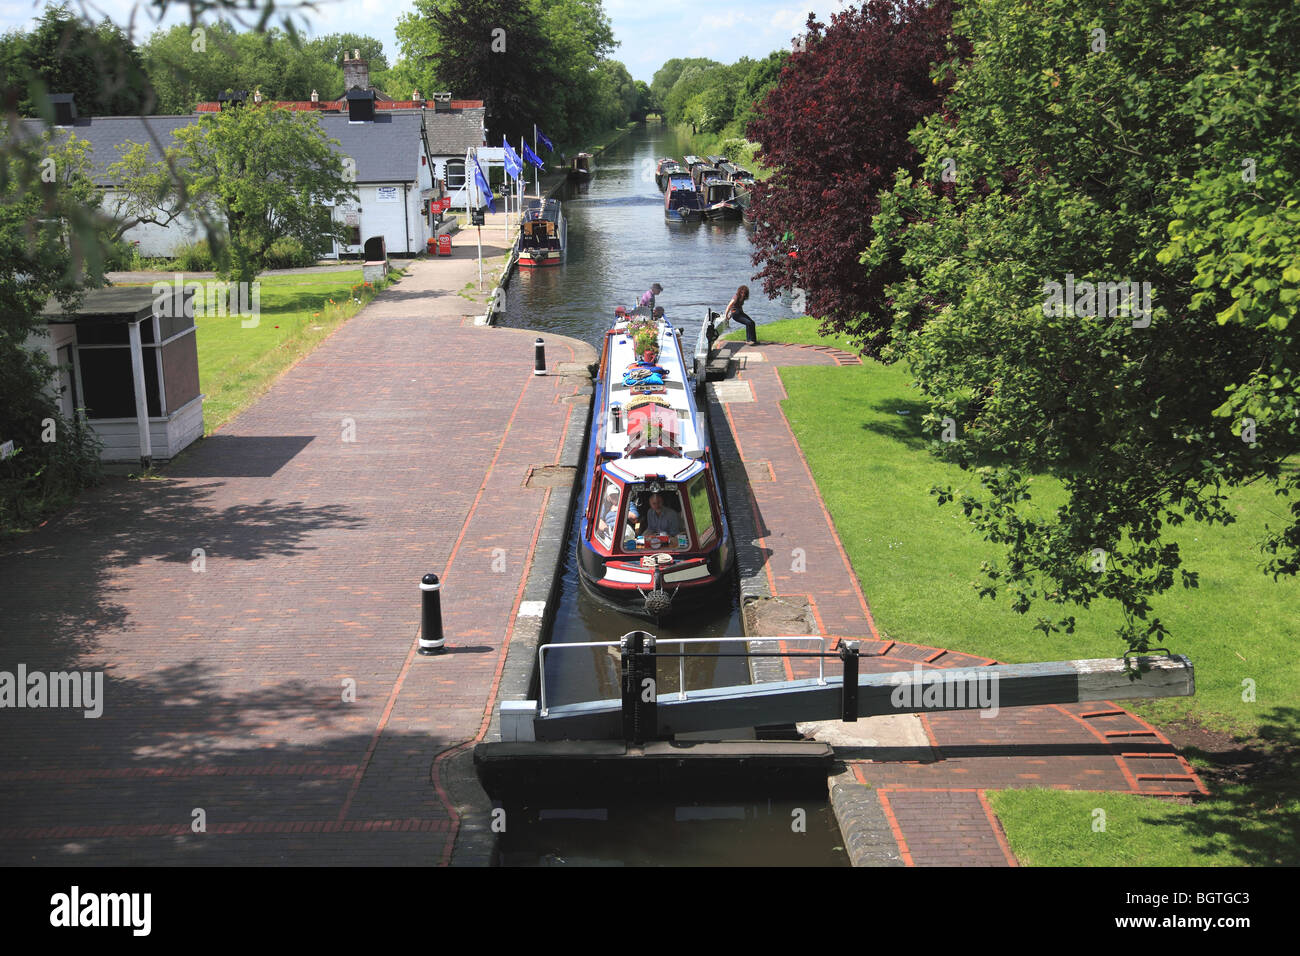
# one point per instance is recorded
(834, 130)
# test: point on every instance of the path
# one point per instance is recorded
(275, 695)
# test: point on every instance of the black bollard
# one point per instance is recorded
(539, 357)
(849, 693)
(431, 639)
(616, 413)
(640, 718)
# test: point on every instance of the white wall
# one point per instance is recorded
(157, 240)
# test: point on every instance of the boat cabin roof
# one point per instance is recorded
(537, 209)
(651, 416)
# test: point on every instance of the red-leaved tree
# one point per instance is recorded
(834, 129)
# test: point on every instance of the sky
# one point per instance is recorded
(649, 33)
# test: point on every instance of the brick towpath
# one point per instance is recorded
(927, 803)
(275, 695)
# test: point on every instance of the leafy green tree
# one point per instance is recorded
(668, 75)
(47, 195)
(758, 82)
(99, 65)
(254, 174)
(189, 65)
(1089, 143)
(494, 50)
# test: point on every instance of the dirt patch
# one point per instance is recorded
(770, 616)
(1234, 760)
(549, 476)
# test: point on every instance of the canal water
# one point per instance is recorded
(618, 244)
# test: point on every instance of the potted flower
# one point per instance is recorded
(646, 344)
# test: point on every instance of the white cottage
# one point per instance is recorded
(401, 152)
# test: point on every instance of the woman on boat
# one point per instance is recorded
(736, 310)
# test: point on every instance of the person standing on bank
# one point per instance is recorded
(736, 310)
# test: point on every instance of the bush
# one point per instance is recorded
(122, 255)
(193, 257)
(288, 253)
(43, 476)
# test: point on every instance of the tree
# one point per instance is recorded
(666, 76)
(1089, 143)
(258, 174)
(188, 65)
(758, 82)
(99, 65)
(47, 191)
(493, 50)
(833, 130)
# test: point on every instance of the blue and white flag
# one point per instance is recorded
(532, 157)
(485, 191)
(514, 165)
(542, 136)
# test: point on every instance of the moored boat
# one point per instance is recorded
(720, 201)
(681, 202)
(542, 233)
(580, 166)
(654, 536)
(663, 170)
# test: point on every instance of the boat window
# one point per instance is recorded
(701, 512)
(607, 513)
(665, 531)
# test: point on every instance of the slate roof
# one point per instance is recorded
(386, 150)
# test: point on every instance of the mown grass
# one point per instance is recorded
(1055, 828)
(859, 428)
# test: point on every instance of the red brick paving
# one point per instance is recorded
(225, 689)
(935, 803)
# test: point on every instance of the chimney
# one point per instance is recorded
(361, 106)
(415, 96)
(65, 108)
(442, 102)
(356, 73)
(315, 97)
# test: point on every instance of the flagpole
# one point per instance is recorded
(536, 173)
(477, 229)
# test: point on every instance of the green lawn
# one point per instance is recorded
(859, 428)
(1236, 828)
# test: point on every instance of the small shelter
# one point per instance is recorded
(129, 364)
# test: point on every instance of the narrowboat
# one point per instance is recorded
(542, 233)
(580, 166)
(682, 203)
(720, 201)
(665, 169)
(702, 173)
(654, 535)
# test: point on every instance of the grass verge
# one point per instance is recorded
(859, 428)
